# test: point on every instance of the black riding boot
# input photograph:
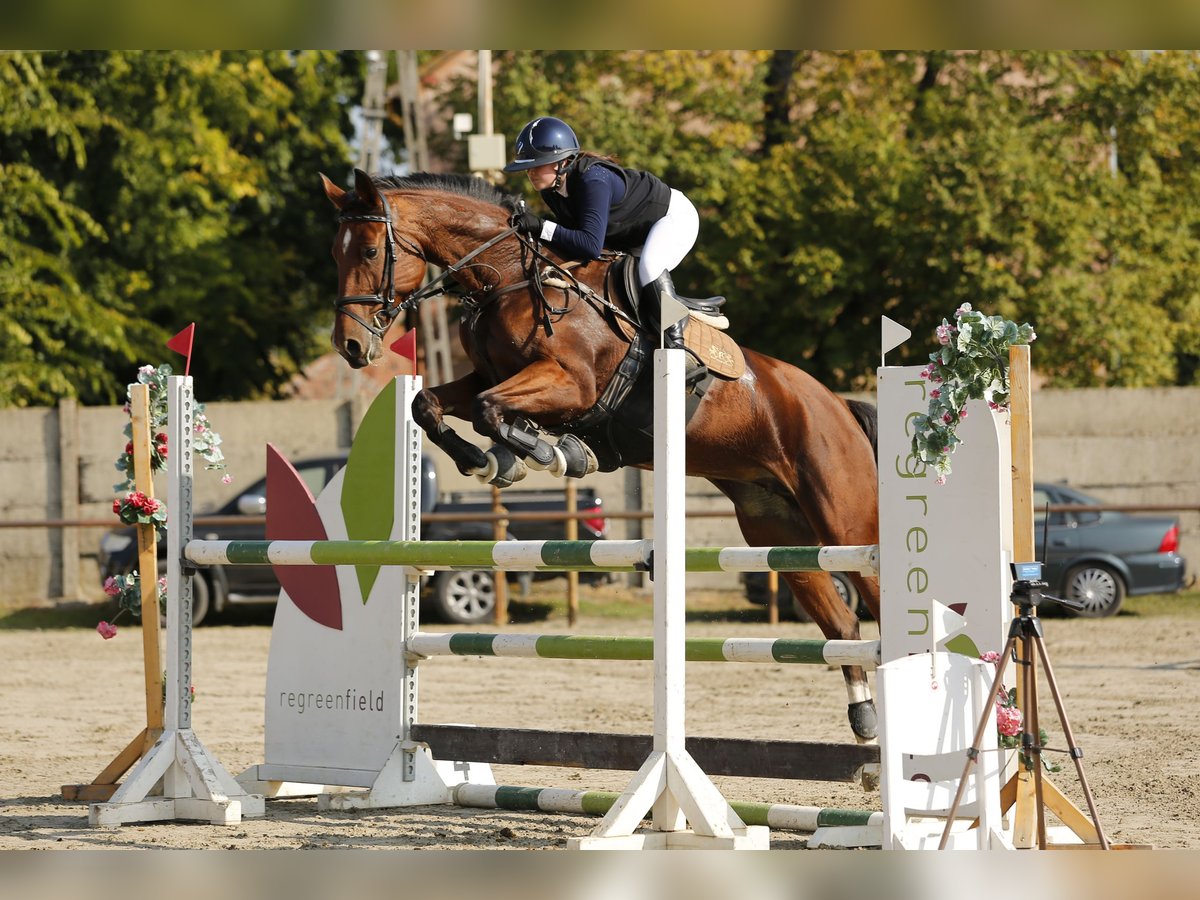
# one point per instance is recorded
(652, 309)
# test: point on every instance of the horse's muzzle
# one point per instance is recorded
(358, 354)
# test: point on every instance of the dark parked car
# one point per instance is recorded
(460, 596)
(755, 585)
(1095, 557)
(1100, 557)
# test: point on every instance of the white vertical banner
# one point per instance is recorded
(944, 548)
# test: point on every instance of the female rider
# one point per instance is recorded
(598, 203)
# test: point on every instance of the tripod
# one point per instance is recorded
(1026, 629)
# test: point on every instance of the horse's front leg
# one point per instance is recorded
(545, 393)
(454, 398)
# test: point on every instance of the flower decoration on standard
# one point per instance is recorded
(206, 443)
(970, 364)
(127, 591)
(1010, 723)
(135, 508)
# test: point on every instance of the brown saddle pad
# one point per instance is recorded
(716, 349)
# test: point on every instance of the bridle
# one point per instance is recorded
(385, 294)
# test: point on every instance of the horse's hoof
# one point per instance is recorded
(509, 468)
(470, 460)
(578, 458)
(863, 721)
(868, 777)
(487, 471)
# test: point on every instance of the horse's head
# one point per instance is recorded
(378, 268)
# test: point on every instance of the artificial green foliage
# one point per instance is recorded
(971, 363)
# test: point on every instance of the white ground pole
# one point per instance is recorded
(178, 779)
(670, 784)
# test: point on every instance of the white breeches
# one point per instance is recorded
(670, 239)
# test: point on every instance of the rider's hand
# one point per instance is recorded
(528, 223)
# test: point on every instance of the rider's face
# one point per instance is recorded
(542, 177)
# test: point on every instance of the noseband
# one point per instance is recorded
(385, 295)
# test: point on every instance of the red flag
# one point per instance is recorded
(182, 344)
(406, 346)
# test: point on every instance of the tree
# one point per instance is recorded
(196, 172)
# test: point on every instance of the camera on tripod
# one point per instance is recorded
(1028, 587)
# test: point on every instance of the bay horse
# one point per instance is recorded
(797, 461)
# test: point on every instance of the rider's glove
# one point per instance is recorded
(528, 223)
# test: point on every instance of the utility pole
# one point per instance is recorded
(485, 149)
(373, 112)
(409, 87)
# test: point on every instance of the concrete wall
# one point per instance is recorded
(1123, 446)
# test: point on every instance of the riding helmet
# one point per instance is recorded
(544, 140)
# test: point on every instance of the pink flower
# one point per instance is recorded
(941, 479)
(162, 583)
(991, 656)
(1008, 720)
(227, 479)
(110, 587)
(965, 308)
(935, 393)
(107, 630)
(943, 334)
(962, 413)
(948, 418)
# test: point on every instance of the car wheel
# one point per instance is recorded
(1098, 587)
(845, 588)
(201, 597)
(466, 598)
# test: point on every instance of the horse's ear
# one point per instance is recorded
(365, 188)
(335, 194)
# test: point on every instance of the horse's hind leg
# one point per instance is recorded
(767, 518)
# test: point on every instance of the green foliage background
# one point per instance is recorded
(143, 190)
(838, 187)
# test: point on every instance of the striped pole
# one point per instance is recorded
(597, 803)
(570, 646)
(529, 556)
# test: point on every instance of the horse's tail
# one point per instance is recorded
(867, 417)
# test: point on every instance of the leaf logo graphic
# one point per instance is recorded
(292, 516)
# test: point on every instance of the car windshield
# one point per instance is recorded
(1061, 494)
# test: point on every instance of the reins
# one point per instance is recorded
(531, 254)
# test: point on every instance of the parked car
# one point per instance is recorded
(460, 596)
(1101, 557)
(755, 586)
(1095, 557)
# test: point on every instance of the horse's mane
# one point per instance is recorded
(464, 185)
